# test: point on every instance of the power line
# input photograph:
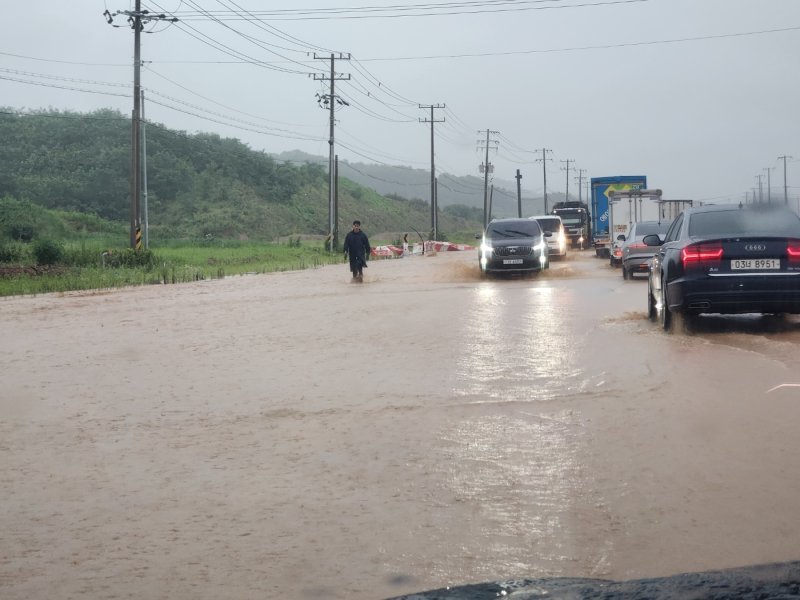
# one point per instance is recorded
(397, 11)
(584, 48)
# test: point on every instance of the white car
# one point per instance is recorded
(554, 233)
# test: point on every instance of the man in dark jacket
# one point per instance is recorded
(356, 246)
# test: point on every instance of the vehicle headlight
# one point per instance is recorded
(486, 247)
(542, 245)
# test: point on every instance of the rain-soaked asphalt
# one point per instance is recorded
(298, 436)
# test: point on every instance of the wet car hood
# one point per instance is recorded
(777, 580)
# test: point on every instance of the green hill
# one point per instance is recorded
(199, 185)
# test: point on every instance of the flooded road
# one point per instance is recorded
(298, 436)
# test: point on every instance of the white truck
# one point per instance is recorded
(626, 208)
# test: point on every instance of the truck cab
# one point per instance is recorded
(577, 222)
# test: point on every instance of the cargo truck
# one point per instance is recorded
(626, 208)
(601, 187)
(577, 222)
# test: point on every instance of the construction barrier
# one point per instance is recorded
(430, 247)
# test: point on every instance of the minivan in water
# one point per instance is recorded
(512, 246)
(554, 234)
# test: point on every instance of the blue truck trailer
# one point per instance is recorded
(601, 187)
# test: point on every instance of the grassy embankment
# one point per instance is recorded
(90, 265)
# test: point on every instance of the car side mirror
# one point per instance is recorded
(548, 234)
(620, 238)
(478, 236)
(652, 240)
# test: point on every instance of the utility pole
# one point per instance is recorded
(486, 168)
(434, 207)
(579, 178)
(769, 184)
(588, 195)
(569, 160)
(491, 196)
(145, 212)
(760, 189)
(785, 188)
(330, 101)
(137, 19)
(519, 194)
(544, 160)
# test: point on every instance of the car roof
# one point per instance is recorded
(728, 207)
(508, 220)
(539, 217)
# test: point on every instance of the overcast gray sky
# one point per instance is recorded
(701, 96)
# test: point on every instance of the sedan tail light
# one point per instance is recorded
(793, 250)
(637, 246)
(702, 255)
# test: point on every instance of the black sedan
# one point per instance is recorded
(726, 259)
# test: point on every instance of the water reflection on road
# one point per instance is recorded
(516, 460)
(517, 339)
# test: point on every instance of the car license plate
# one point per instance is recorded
(755, 264)
(512, 261)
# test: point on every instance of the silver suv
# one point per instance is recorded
(554, 233)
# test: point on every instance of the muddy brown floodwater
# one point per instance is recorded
(298, 436)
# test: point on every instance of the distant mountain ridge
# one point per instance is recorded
(411, 183)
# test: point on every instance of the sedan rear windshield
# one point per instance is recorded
(744, 222)
(514, 229)
(643, 229)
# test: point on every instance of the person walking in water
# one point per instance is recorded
(356, 246)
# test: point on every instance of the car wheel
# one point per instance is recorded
(664, 313)
(625, 273)
(652, 313)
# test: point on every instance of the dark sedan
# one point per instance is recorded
(726, 259)
(636, 255)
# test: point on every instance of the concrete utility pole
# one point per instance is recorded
(145, 212)
(569, 160)
(579, 179)
(486, 168)
(544, 160)
(769, 184)
(519, 194)
(785, 188)
(760, 189)
(137, 19)
(330, 101)
(434, 207)
(588, 196)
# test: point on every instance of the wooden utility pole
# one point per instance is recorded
(434, 207)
